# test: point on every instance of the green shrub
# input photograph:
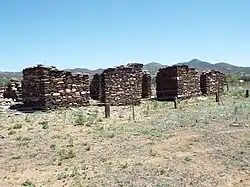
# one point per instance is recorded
(45, 124)
(17, 126)
(28, 183)
(11, 132)
(4, 81)
(66, 154)
(86, 120)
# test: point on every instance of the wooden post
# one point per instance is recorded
(247, 93)
(107, 110)
(133, 112)
(217, 97)
(175, 103)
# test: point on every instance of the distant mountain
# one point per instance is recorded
(10, 74)
(198, 64)
(153, 68)
(222, 66)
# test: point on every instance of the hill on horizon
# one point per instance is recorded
(154, 66)
(221, 66)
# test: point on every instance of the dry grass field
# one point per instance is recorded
(199, 144)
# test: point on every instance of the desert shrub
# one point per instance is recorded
(66, 154)
(86, 120)
(45, 124)
(61, 176)
(28, 183)
(81, 120)
(11, 132)
(17, 126)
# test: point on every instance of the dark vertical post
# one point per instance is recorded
(175, 103)
(227, 87)
(107, 110)
(247, 93)
(133, 111)
(217, 97)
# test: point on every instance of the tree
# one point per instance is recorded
(4, 81)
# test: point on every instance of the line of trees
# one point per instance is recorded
(233, 78)
(4, 81)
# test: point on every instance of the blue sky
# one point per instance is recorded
(105, 33)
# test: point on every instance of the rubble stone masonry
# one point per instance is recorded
(48, 87)
(178, 81)
(212, 81)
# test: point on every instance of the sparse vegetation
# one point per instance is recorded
(45, 124)
(163, 144)
(28, 183)
(66, 154)
(17, 126)
(4, 81)
(16, 157)
(11, 132)
(61, 176)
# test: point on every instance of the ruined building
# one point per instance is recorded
(13, 90)
(122, 85)
(48, 87)
(212, 81)
(178, 81)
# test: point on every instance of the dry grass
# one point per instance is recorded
(198, 144)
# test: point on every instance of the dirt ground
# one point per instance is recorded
(199, 144)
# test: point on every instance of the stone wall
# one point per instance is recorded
(121, 85)
(48, 87)
(212, 81)
(109, 86)
(177, 81)
(2, 89)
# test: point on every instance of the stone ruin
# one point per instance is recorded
(2, 89)
(212, 81)
(177, 81)
(146, 80)
(48, 88)
(122, 85)
(12, 91)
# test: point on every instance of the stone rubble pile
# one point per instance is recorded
(177, 81)
(48, 88)
(212, 81)
(13, 91)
